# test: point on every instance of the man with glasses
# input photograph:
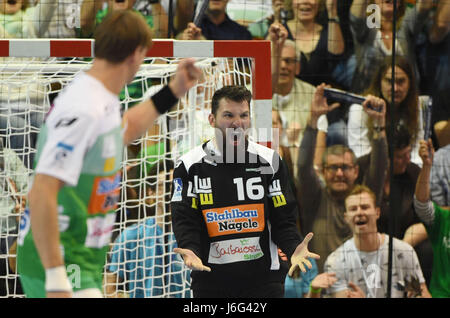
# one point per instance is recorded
(322, 202)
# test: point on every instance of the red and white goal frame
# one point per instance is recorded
(258, 50)
(16, 69)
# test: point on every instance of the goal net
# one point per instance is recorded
(141, 262)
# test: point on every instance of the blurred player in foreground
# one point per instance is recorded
(75, 191)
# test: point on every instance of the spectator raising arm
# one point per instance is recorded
(358, 8)
(336, 43)
(422, 194)
(277, 37)
(415, 234)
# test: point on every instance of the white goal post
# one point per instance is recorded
(141, 262)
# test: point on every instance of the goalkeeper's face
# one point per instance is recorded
(231, 122)
(10, 6)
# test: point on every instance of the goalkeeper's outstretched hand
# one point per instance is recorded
(301, 255)
(191, 260)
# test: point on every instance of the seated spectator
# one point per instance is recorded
(322, 204)
(408, 110)
(436, 219)
(321, 47)
(216, 25)
(360, 263)
(402, 184)
(13, 189)
(372, 37)
(141, 255)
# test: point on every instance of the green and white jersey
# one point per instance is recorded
(81, 144)
(439, 233)
(437, 223)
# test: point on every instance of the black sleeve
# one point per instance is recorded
(185, 217)
(283, 210)
(375, 176)
(310, 189)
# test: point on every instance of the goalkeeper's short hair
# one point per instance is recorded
(235, 93)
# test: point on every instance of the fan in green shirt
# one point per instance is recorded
(437, 223)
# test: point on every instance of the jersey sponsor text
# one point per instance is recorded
(234, 219)
(237, 250)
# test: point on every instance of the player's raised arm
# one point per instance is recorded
(142, 116)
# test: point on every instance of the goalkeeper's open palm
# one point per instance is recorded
(191, 260)
(301, 255)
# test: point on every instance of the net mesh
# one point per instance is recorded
(140, 262)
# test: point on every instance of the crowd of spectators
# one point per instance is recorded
(342, 44)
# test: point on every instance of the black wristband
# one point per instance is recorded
(335, 20)
(164, 99)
